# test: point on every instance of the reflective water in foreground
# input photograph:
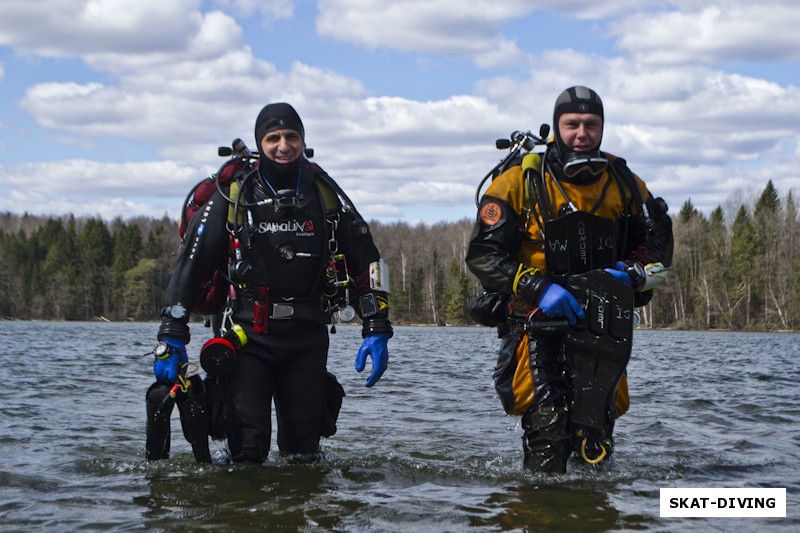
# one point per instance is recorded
(427, 449)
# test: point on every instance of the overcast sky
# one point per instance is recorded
(116, 107)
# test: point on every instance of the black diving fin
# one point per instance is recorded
(597, 351)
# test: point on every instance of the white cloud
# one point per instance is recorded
(270, 10)
(706, 114)
(398, 151)
(714, 34)
(123, 179)
(73, 27)
(90, 188)
(594, 10)
(216, 36)
(183, 104)
(689, 130)
(459, 27)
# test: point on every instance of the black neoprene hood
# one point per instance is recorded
(277, 116)
(577, 99)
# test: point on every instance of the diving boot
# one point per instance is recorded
(195, 420)
(159, 409)
(546, 440)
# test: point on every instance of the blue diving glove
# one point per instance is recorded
(377, 347)
(167, 366)
(556, 302)
(619, 272)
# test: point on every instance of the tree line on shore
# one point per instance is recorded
(734, 269)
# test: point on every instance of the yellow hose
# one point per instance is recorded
(520, 273)
(599, 458)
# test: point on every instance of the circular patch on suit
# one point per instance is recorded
(491, 213)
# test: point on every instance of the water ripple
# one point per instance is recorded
(428, 448)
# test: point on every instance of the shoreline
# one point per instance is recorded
(410, 324)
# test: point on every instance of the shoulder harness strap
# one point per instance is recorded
(329, 199)
(628, 183)
(336, 197)
(630, 187)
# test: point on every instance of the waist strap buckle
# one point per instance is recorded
(280, 311)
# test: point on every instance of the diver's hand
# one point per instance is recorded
(376, 346)
(620, 272)
(167, 367)
(556, 302)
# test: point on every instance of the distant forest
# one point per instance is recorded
(735, 269)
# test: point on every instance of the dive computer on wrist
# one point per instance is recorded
(162, 350)
(176, 311)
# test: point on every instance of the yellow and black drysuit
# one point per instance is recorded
(507, 253)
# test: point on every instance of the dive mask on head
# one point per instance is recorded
(587, 164)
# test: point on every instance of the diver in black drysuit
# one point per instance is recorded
(279, 302)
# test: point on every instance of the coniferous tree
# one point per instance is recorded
(735, 269)
(456, 293)
(57, 250)
(127, 248)
(95, 251)
(141, 289)
(160, 247)
(10, 291)
(773, 290)
(27, 261)
(741, 272)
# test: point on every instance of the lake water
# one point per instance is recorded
(427, 449)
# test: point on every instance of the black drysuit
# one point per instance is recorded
(279, 301)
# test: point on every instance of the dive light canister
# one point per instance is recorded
(218, 355)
